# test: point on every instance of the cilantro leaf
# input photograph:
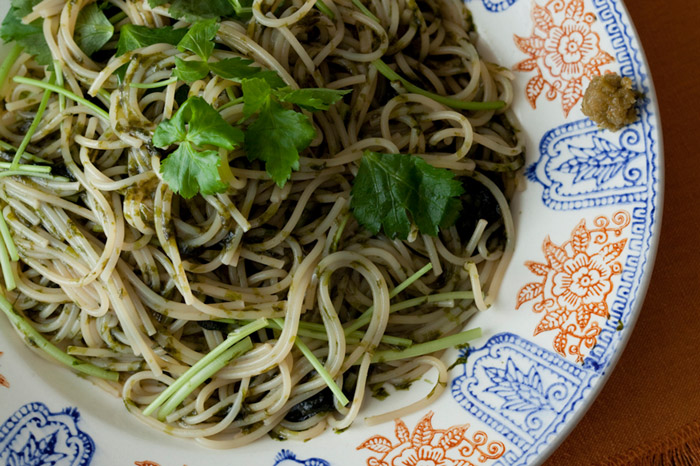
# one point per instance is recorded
(256, 93)
(194, 10)
(204, 126)
(134, 37)
(200, 38)
(92, 29)
(311, 99)
(190, 70)
(276, 137)
(30, 36)
(189, 172)
(272, 78)
(171, 131)
(389, 187)
(237, 69)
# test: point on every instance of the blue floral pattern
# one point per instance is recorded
(496, 6)
(35, 436)
(288, 458)
(581, 166)
(521, 390)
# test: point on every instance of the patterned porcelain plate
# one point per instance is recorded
(588, 225)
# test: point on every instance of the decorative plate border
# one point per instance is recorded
(608, 169)
(527, 393)
(34, 435)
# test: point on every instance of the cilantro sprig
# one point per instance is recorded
(278, 134)
(274, 134)
(92, 29)
(192, 168)
(133, 37)
(392, 191)
(199, 40)
(29, 36)
(194, 10)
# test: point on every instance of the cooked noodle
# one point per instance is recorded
(119, 271)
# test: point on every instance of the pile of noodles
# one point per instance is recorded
(119, 271)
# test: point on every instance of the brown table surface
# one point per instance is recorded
(651, 403)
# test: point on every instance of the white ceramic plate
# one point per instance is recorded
(587, 229)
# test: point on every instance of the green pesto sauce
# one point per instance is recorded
(379, 392)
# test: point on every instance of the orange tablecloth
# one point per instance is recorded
(649, 410)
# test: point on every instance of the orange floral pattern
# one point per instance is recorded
(576, 281)
(3, 380)
(563, 50)
(427, 446)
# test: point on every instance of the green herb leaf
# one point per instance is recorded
(190, 70)
(133, 37)
(92, 29)
(256, 93)
(30, 36)
(200, 38)
(276, 137)
(171, 131)
(194, 10)
(311, 99)
(206, 126)
(189, 172)
(237, 69)
(389, 187)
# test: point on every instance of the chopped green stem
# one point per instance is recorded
(229, 92)
(7, 239)
(433, 298)
(118, 17)
(409, 281)
(52, 87)
(364, 10)
(9, 147)
(231, 103)
(240, 10)
(27, 168)
(6, 267)
(33, 337)
(32, 128)
(409, 303)
(318, 332)
(155, 85)
(318, 366)
(420, 349)
(391, 75)
(59, 82)
(323, 8)
(6, 65)
(233, 338)
(197, 379)
(367, 315)
(104, 93)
